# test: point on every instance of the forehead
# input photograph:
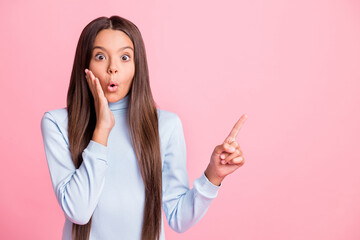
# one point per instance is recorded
(112, 39)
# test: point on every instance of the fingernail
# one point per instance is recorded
(86, 71)
(223, 161)
(222, 156)
(232, 149)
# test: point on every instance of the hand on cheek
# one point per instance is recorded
(104, 117)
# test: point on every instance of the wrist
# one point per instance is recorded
(100, 136)
(212, 177)
(102, 128)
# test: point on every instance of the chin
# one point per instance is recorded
(114, 98)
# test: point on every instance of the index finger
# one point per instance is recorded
(231, 137)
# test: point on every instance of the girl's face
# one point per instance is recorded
(112, 62)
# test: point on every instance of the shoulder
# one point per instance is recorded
(59, 116)
(56, 119)
(168, 120)
(169, 124)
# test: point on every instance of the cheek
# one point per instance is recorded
(131, 72)
(92, 65)
(127, 74)
(97, 71)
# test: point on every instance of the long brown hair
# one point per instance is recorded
(141, 116)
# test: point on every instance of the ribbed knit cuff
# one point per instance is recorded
(205, 187)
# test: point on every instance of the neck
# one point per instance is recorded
(120, 105)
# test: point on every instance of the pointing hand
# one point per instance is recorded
(226, 157)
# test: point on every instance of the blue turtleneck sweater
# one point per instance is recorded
(108, 184)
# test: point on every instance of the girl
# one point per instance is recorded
(114, 158)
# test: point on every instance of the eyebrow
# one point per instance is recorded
(120, 49)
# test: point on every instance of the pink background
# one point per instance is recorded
(292, 66)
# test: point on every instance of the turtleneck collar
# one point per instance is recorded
(121, 105)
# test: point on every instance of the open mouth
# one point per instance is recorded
(112, 87)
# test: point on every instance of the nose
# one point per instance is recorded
(112, 70)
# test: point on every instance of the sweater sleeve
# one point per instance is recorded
(183, 207)
(77, 190)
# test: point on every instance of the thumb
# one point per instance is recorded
(225, 147)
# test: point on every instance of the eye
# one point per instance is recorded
(125, 57)
(99, 55)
